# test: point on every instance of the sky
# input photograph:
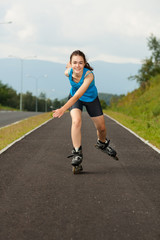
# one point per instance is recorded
(108, 30)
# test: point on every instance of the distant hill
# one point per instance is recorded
(110, 78)
(106, 97)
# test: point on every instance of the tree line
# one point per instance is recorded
(10, 98)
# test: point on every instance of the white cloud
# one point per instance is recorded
(109, 30)
(22, 28)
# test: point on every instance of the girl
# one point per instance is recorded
(83, 93)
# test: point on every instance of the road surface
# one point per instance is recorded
(8, 117)
(40, 198)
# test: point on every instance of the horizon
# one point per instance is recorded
(111, 78)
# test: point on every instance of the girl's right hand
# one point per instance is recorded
(58, 113)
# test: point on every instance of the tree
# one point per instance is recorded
(56, 103)
(8, 96)
(150, 66)
(29, 102)
(103, 104)
(154, 47)
(42, 96)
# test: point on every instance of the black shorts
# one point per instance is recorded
(94, 108)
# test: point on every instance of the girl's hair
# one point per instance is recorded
(79, 53)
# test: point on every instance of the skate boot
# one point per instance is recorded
(76, 160)
(104, 146)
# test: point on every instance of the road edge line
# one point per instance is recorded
(135, 134)
(19, 139)
(12, 123)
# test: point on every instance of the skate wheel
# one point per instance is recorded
(116, 158)
(77, 169)
(74, 170)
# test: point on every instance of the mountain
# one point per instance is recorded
(110, 77)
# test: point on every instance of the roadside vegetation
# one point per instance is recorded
(13, 132)
(10, 100)
(140, 109)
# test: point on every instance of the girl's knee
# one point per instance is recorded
(76, 123)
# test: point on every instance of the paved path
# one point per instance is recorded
(8, 117)
(40, 198)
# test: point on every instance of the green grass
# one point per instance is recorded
(140, 111)
(7, 108)
(13, 132)
(149, 130)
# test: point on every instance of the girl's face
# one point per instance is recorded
(77, 64)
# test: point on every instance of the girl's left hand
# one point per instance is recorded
(57, 113)
(68, 65)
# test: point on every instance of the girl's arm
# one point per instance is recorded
(87, 81)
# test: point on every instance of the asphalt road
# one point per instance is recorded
(40, 198)
(7, 117)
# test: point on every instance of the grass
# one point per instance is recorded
(147, 129)
(140, 111)
(7, 108)
(13, 132)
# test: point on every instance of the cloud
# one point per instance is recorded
(109, 30)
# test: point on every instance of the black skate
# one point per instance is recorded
(76, 160)
(104, 147)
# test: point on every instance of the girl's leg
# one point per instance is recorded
(102, 142)
(99, 123)
(76, 115)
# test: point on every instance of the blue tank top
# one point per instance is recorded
(90, 94)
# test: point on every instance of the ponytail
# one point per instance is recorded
(88, 66)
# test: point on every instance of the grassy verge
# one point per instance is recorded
(147, 129)
(7, 108)
(13, 132)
